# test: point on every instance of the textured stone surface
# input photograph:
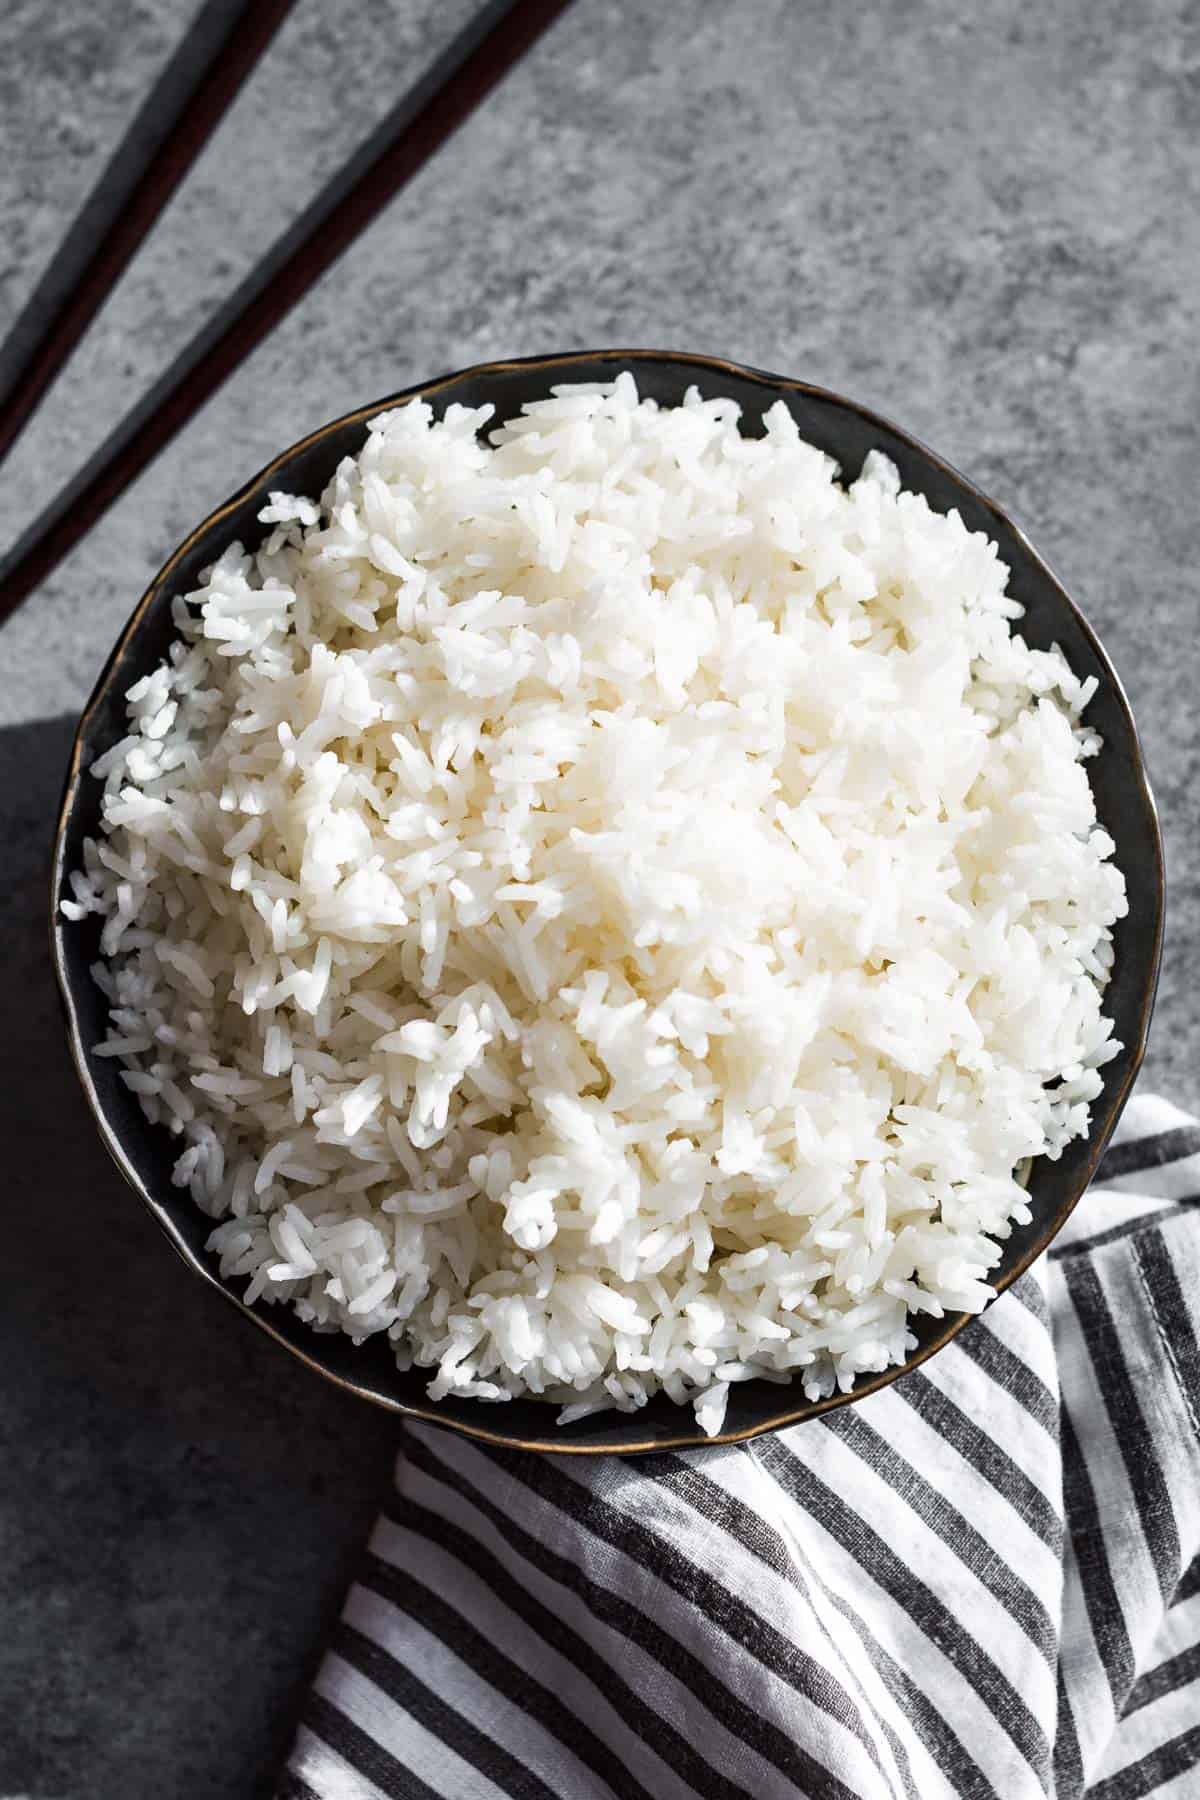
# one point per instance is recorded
(984, 222)
(72, 78)
(327, 80)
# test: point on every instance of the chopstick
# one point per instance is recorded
(459, 80)
(188, 101)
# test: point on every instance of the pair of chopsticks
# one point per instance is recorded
(195, 90)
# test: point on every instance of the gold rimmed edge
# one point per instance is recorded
(779, 384)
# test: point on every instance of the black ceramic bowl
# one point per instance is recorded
(847, 432)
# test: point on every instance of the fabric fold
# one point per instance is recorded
(982, 1583)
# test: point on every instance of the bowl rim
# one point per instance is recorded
(562, 362)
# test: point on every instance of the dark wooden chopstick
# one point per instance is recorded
(460, 79)
(189, 100)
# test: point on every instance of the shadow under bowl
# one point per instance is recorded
(846, 432)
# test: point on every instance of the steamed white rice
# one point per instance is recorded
(606, 905)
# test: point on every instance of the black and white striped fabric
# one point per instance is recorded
(983, 1582)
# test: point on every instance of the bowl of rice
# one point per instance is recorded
(609, 901)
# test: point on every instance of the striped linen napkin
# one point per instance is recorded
(984, 1581)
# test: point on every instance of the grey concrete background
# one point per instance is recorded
(981, 219)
